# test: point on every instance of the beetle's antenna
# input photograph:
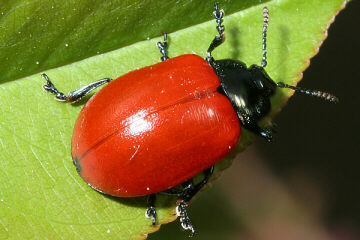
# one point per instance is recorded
(324, 95)
(265, 26)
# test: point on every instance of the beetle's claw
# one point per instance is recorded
(49, 86)
(184, 218)
(151, 213)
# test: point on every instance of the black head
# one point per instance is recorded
(249, 89)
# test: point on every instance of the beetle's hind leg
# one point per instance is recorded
(185, 195)
(73, 96)
(163, 48)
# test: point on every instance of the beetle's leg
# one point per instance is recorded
(189, 191)
(73, 96)
(218, 14)
(182, 203)
(151, 211)
(181, 193)
(253, 126)
(163, 48)
(266, 132)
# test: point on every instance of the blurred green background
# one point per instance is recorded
(305, 185)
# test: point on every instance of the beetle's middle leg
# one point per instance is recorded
(151, 211)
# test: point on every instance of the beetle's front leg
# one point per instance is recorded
(266, 132)
(251, 124)
(218, 14)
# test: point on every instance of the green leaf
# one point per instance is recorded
(41, 195)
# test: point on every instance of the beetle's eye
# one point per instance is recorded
(259, 84)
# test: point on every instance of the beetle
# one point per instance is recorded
(153, 129)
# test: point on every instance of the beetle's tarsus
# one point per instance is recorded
(163, 48)
(184, 217)
(218, 15)
(151, 213)
(267, 133)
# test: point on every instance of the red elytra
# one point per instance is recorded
(154, 128)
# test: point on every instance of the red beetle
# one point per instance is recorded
(157, 127)
(131, 140)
